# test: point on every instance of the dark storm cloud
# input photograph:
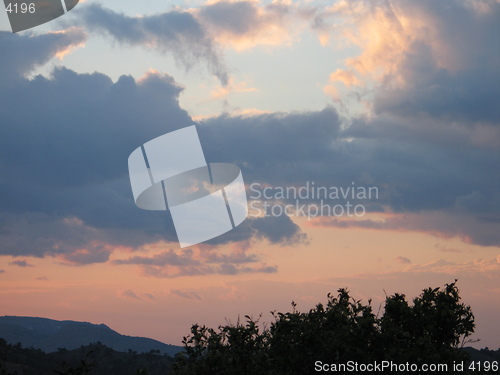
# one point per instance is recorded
(64, 144)
(292, 149)
(83, 124)
(411, 173)
(176, 32)
(279, 145)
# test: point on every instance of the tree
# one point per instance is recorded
(432, 330)
(343, 330)
(233, 350)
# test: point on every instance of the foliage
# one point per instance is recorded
(94, 359)
(432, 330)
(429, 331)
(233, 350)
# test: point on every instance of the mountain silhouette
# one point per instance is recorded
(49, 335)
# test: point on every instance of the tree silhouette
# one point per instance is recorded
(431, 330)
(82, 369)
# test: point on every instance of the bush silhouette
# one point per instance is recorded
(432, 330)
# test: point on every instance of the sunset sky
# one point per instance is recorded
(400, 96)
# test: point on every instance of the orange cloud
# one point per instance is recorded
(73, 33)
(347, 77)
(388, 33)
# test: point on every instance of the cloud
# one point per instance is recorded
(75, 242)
(445, 249)
(490, 267)
(21, 263)
(42, 278)
(67, 193)
(198, 35)
(480, 268)
(176, 32)
(429, 143)
(202, 270)
(170, 257)
(421, 58)
(295, 141)
(348, 78)
(245, 24)
(280, 230)
(403, 260)
(444, 224)
(454, 185)
(203, 261)
(89, 255)
(29, 52)
(187, 294)
(238, 254)
(129, 294)
(451, 75)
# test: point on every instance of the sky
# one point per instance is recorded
(402, 97)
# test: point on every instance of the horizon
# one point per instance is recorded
(399, 99)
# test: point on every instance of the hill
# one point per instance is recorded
(50, 335)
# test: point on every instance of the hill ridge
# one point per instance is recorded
(49, 335)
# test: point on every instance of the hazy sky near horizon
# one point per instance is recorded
(401, 96)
